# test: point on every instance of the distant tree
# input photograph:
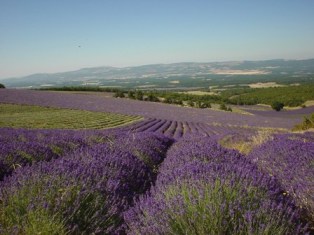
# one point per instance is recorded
(294, 102)
(131, 94)
(167, 100)
(152, 97)
(190, 103)
(276, 105)
(1, 86)
(179, 102)
(139, 95)
(198, 104)
(202, 105)
(239, 101)
(119, 94)
(206, 104)
(223, 106)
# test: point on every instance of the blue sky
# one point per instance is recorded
(53, 36)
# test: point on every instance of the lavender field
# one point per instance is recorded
(148, 109)
(176, 171)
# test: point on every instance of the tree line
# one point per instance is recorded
(291, 96)
(276, 97)
(197, 101)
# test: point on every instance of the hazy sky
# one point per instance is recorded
(60, 35)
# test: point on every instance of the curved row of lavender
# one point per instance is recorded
(20, 147)
(290, 157)
(87, 181)
(203, 188)
(84, 182)
(84, 191)
(179, 129)
(145, 109)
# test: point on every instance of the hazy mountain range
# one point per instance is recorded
(170, 75)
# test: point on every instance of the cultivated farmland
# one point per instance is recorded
(149, 109)
(86, 164)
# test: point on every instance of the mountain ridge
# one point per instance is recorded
(100, 75)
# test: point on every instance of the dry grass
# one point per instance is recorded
(309, 103)
(264, 85)
(199, 93)
(239, 72)
(246, 145)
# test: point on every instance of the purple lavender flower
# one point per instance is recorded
(87, 190)
(290, 158)
(203, 188)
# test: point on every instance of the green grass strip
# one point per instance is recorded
(28, 116)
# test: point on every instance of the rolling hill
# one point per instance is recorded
(177, 75)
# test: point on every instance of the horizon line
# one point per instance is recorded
(150, 64)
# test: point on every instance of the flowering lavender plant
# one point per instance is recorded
(83, 192)
(203, 188)
(290, 158)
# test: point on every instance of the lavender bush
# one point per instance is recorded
(19, 147)
(203, 188)
(290, 158)
(84, 192)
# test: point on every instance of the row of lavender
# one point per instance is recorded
(203, 188)
(290, 158)
(20, 147)
(178, 129)
(83, 182)
(61, 182)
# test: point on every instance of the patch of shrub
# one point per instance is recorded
(152, 97)
(276, 105)
(131, 94)
(224, 107)
(308, 122)
(139, 95)
(119, 94)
